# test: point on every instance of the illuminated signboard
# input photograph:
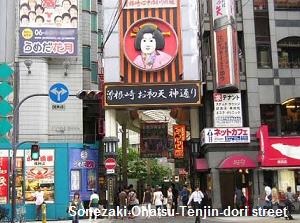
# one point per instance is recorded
(179, 136)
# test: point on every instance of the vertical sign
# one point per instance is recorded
(228, 110)
(48, 27)
(223, 8)
(179, 136)
(3, 180)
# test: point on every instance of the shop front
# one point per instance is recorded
(51, 172)
(279, 158)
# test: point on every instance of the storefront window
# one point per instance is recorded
(287, 4)
(288, 52)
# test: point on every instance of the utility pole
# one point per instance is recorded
(124, 156)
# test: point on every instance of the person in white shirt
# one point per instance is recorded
(93, 205)
(39, 200)
(196, 197)
(268, 197)
(158, 199)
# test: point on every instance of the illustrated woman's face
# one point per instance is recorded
(148, 43)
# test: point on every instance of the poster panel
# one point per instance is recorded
(154, 140)
(48, 27)
(179, 136)
(39, 173)
(4, 180)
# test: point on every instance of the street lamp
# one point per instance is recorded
(195, 145)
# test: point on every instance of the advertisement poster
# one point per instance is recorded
(228, 110)
(48, 27)
(3, 180)
(154, 140)
(39, 173)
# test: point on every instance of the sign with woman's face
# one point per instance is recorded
(150, 44)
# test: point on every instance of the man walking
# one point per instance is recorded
(196, 197)
(39, 200)
(93, 205)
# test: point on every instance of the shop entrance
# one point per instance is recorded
(230, 180)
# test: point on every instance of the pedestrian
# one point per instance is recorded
(169, 199)
(93, 205)
(122, 201)
(39, 200)
(158, 198)
(289, 199)
(132, 201)
(268, 197)
(184, 195)
(196, 197)
(75, 206)
(175, 197)
(147, 198)
(239, 198)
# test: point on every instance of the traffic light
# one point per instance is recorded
(89, 95)
(35, 152)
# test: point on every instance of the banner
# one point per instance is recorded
(48, 27)
(154, 140)
(4, 180)
(179, 136)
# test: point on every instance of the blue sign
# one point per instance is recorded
(58, 93)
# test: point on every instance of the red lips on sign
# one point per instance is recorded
(110, 163)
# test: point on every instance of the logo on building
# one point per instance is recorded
(150, 44)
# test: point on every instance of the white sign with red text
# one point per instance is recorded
(143, 4)
(225, 135)
(223, 8)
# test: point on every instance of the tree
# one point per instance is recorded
(138, 168)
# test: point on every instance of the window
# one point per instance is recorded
(86, 57)
(268, 117)
(264, 56)
(94, 25)
(75, 180)
(288, 52)
(260, 5)
(287, 4)
(86, 5)
(100, 38)
(94, 72)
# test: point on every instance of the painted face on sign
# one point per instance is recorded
(148, 43)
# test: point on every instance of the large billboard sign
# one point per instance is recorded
(150, 44)
(152, 95)
(48, 27)
(223, 8)
(228, 110)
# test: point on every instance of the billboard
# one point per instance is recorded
(225, 135)
(48, 27)
(154, 139)
(179, 136)
(228, 110)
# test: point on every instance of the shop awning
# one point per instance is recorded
(201, 165)
(237, 161)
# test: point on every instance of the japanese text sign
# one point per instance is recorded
(183, 94)
(223, 8)
(225, 135)
(179, 136)
(228, 110)
(46, 158)
(3, 180)
(141, 4)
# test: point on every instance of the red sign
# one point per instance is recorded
(278, 151)
(3, 180)
(179, 136)
(110, 164)
(150, 44)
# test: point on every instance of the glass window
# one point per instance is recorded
(268, 117)
(86, 57)
(86, 5)
(287, 4)
(288, 52)
(264, 56)
(94, 25)
(290, 116)
(260, 5)
(100, 37)
(94, 72)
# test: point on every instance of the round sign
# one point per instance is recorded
(58, 93)
(150, 44)
(110, 163)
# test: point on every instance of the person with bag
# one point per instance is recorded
(132, 201)
(147, 198)
(169, 199)
(196, 197)
(75, 206)
(239, 199)
(158, 198)
(93, 205)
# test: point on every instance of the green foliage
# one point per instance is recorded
(137, 167)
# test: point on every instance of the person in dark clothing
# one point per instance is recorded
(239, 198)
(175, 197)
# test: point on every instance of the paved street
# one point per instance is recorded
(180, 219)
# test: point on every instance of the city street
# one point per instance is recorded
(181, 219)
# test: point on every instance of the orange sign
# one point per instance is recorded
(179, 136)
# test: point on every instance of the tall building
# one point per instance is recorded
(56, 48)
(268, 41)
